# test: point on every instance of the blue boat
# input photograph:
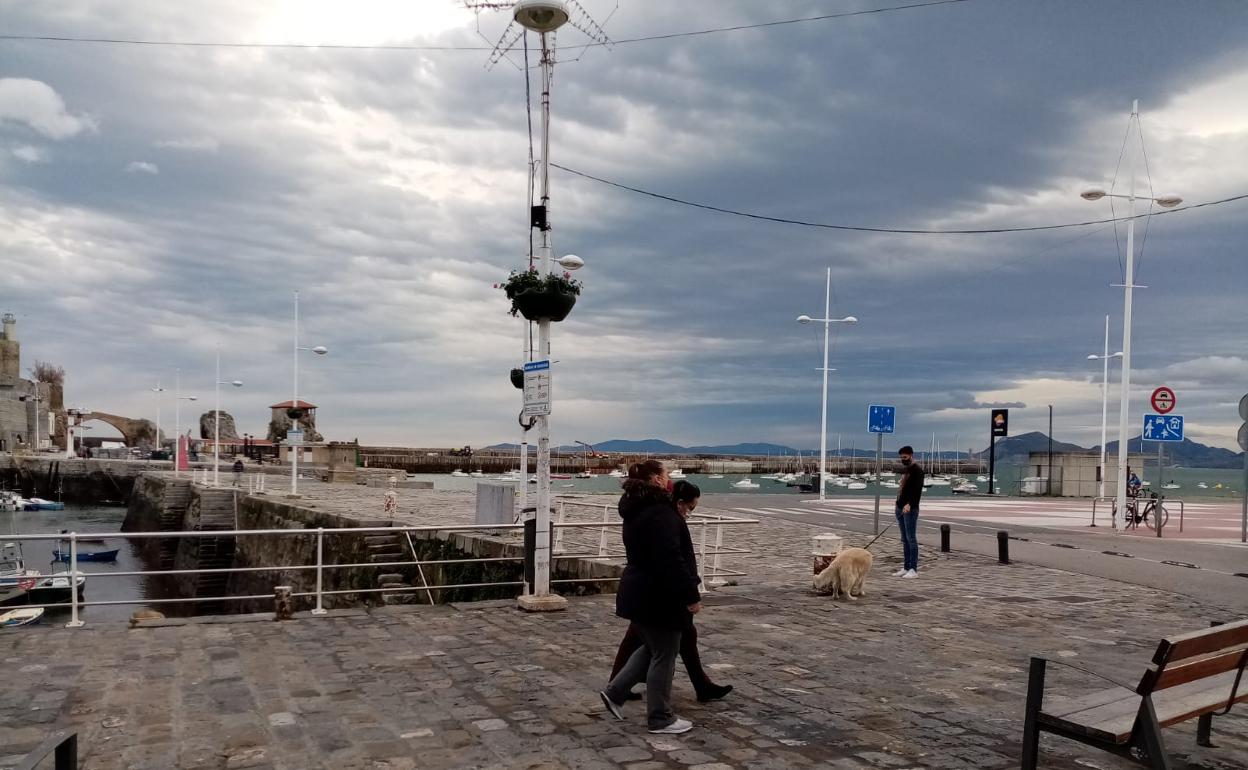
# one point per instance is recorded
(39, 504)
(63, 556)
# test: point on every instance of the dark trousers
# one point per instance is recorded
(688, 655)
(654, 662)
(908, 523)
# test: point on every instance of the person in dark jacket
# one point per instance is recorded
(686, 495)
(908, 495)
(658, 592)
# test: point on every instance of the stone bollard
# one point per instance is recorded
(944, 538)
(824, 549)
(283, 604)
(1003, 547)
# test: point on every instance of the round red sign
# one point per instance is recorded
(1163, 400)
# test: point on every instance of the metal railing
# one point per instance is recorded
(320, 567)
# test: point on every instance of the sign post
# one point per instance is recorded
(1000, 426)
(1243, 444)
(880, 420)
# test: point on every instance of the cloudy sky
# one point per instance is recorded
(158, 200)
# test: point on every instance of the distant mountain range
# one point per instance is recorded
(1012, 450)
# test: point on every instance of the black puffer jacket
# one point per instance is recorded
(661, 578)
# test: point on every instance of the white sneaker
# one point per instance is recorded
(899, 573)
(910, 574)
(675, 728)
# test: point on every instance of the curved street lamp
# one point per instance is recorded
(823, 428)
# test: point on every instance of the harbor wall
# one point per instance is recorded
(74, 481)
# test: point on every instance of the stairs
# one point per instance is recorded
(217, 509)
(387, 548)
(173, 505)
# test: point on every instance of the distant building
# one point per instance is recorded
(23, 403)
(1076, 474)
(287, 414)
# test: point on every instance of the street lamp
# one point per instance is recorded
(157, 390)
(178, 398)
(827, 322)
(319, 350)
(216, 431)
(1124, 398)
(1104, 359)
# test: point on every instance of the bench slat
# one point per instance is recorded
(1203, 642)
(1114, 719)
(1172, 675)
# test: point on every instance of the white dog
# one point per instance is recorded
(847, 574)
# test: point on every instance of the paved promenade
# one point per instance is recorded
(918, 674)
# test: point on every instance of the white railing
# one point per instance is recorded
(320, 566)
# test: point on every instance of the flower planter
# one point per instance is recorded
(517, 378)
(546, 302)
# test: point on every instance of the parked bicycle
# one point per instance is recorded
(1146, 511)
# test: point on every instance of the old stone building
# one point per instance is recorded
(24, 404)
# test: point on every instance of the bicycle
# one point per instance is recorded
(1152, 510)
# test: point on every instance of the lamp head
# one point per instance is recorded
(1117, 355)
(1093, 194)
(849, 319)
(1168, 201)
(192, 398)
(320, 350)
(803, 319)
(237, 383)
(571, 262)
(541, 15)
(1094, 357)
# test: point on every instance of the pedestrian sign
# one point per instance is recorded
(1163, 427)
(881, 419)
(536, 388)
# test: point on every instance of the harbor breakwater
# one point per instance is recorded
(409, 568)
(73, 481)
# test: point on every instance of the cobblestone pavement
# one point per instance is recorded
(917, 674)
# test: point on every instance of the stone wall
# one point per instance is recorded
(76, 481)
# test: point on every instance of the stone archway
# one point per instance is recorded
(136, 433)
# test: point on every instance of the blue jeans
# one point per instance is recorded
(908, 523)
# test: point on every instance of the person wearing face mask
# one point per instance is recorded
(658, 592)
(686, 496)
(908, 494)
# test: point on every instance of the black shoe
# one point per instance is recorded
(713, 692)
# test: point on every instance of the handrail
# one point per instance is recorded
(65, 746)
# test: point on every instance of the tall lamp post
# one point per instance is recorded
(1124, 398)
(178, 398)
(216, 413)
(827, 322)
(1104, 359)
(319, 350)
(157, 390)
(544, 17)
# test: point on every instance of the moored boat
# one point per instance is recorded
(22, 617)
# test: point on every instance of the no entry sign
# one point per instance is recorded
(1163, 400)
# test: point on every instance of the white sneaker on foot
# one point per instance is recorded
(910, 574)
(675, 728)
(611, 705)
(900, 572)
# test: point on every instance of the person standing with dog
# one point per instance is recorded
(658, 592)
(909, 492)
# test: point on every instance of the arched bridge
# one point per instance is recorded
(134, 432)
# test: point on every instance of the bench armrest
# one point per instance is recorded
(1086, 671)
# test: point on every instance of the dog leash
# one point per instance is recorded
(867, 547)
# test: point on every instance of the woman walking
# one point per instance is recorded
(686, 496)
(658, 592)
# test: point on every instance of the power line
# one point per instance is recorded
(894, 230)
(402, 47)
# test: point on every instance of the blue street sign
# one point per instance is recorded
(881, 419)
(1163, 427)
(536, 366)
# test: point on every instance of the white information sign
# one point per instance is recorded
(294, 437)
(536, 388)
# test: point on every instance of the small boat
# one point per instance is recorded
(616, 474)
(39, 504)
(19, 585)
(937, 481)
(1171, 485)
(477, 474)
(890, 484)
(981, 478)
(856, 485)
(744, 484)
(716, 476)
(561, 475)
(457, 473)
(963, 487)
(15, 618)
(676, 473)
(1202, 485)
(63, 556)
(586, 475)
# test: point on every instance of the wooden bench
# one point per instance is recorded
(1196, 675)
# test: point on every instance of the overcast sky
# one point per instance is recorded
(156, 201)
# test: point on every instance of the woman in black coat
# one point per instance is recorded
(658, 592)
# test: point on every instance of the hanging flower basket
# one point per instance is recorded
(536, 296)
(517, 378)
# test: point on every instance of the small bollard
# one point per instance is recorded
(283, 605)
(1003, 547)
(944, 538)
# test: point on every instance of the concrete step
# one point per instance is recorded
(379, 539)
(389, 577)
(377, 556)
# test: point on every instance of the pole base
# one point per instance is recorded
(320, 612)
(544, 603)
(75, 624)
